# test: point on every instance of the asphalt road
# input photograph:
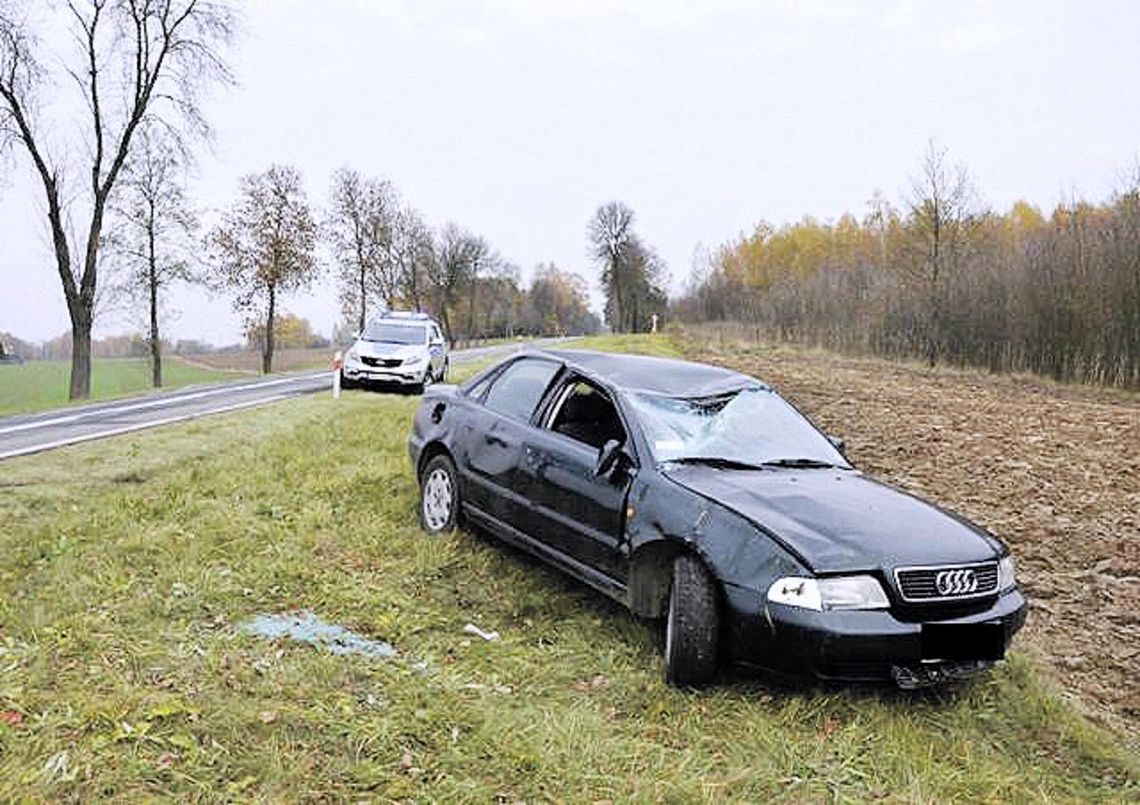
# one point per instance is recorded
(33, 433)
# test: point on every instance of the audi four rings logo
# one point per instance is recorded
(956, 582)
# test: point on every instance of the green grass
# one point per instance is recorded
(658, 344)
(41, 385)
(127, 567)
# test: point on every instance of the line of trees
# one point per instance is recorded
(946, 280)
(384, 257)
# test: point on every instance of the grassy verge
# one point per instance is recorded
(42, 385)
(127, 568)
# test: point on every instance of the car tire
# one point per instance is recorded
(442, 378)
(439, 496)
(692, 624)
(345, 383)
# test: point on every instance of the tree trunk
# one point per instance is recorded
(471, 313)
(79, 308)
(267, 353)
(152, 282)
(615, 280)
(80, 388)
(363, 305)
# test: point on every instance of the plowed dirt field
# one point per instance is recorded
(1053, 470)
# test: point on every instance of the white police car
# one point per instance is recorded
(401, 349)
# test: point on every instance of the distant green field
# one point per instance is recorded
(40, 385)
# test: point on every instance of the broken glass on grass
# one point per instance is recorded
(305, 627)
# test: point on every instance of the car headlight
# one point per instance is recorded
(352, 355)
(412, 361)
(1006, 569)
(840, 592)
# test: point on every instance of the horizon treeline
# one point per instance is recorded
(944, 280)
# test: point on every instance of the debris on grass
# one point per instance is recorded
(305, 627)
(472, 629)
(13, 718)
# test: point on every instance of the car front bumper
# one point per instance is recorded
(398, 375)
(866, 645)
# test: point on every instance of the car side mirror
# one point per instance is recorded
(608, 455)
(838, 443)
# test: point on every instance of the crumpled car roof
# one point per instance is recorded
(653, 375)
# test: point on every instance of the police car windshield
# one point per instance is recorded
(389, 333)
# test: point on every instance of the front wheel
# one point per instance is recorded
(442, 376)
(439, 496)
(691, 625)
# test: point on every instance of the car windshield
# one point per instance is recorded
(750, 427)
(389, 333)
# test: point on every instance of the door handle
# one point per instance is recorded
(490, 438)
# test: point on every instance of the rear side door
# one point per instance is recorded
(574, 510)
(494, 437)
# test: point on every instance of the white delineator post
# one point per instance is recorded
(338, 361)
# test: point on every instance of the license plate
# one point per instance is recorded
(963, 641)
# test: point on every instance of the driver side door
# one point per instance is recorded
(578, 513)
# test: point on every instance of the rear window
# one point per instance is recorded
(518, 389)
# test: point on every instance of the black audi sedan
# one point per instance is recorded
(699, 495)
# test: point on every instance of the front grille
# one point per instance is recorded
(387, 363)
(947, 583)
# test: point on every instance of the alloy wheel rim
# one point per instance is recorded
(438, 499)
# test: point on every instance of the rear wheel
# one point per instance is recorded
(691, 625)
(442, 377)
(439, 496)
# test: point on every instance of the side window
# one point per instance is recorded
(517, 390)
(587, 414)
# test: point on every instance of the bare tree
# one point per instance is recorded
(361, 224)
(414, 248)
(941, 205)
(610, 236)
(265, 247)
(153, 229)
(632, 272)
(458, 257)
(135, 60)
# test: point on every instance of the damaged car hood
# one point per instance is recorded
(840, 521)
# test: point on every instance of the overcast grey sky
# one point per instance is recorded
(517, 119)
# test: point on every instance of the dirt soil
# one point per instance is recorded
(1053, 470)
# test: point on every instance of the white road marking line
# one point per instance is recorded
(87, 437)
(165, 402)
